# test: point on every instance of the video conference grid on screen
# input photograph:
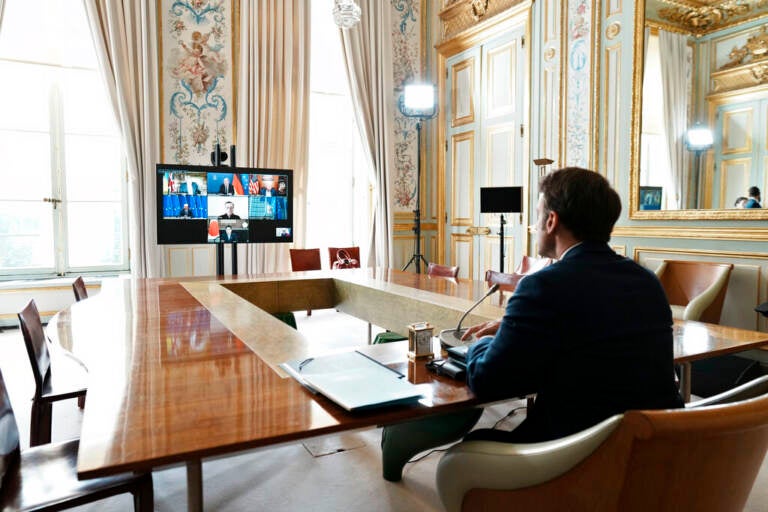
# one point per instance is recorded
(198, 205)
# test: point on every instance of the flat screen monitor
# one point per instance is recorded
(501, 199)
(197, 204)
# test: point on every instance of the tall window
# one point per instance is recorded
(62, 206)
(338, 188)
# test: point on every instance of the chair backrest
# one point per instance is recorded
(508, 282)
(703, 459)
(437, 270)
(34, 340)
(9, 431)
(305, 259)
(352, 252)
(684, 281)
(78, 286)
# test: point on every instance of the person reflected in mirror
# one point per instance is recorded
(754, 198)
(229, 211)
(226, 188)
(185, 211)
(740, 202)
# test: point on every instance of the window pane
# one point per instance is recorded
(87, 108)
(50, 31)
(26, 165)
(26, 235)
(25, 104)
(93, 168)
(95, 221)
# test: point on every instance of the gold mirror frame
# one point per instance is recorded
(634, 175)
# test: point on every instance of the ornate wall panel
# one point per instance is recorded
(196, 59)
(462, 251)
(463, 158)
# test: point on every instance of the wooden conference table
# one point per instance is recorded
(183, 369)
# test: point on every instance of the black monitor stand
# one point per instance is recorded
(220, 258)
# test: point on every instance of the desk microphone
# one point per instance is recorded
(452, 337)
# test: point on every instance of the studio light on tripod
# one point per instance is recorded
(418, 101)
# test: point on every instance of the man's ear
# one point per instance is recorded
(553, 222)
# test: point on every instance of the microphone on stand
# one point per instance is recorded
(452, 337)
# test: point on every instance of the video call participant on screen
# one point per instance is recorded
(229, 208)
(226, 188)
(593, 326)
(185, 211)
(281, 188)
(228, 235)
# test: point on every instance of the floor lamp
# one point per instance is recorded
(501, 200)
(698, 139)
(418, 101)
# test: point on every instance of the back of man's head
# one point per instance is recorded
(754, 192)
(584, 201)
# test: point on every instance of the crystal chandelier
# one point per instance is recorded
(346, 13)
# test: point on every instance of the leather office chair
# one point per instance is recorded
(305, 259)
(58, 375)
(352, 259)
(702, 458)
(437, 270)
(78, 286)
(695, 289)
(508, 282)
(45, 477)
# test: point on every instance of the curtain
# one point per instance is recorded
(124, 33)
(674, 79)
(368, 56)
(2, 6)
(273, 107)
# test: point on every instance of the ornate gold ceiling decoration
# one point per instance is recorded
(755, 49)
(707, 17)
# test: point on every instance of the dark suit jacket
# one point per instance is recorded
(590, 334)
(228, 190)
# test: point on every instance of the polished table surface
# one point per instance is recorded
(183, 369)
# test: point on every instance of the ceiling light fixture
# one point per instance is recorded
(346, 13)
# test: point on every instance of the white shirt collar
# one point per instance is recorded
(568, 250)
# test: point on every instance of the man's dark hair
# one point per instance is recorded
(585, 202)
(754, 192)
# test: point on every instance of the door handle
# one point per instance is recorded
(478, 230)
(53, 200)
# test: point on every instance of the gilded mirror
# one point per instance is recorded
(705, 64)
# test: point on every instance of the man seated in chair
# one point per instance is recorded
(591, 334)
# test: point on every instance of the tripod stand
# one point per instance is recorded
(417, 257)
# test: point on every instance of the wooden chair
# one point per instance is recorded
(437, 270)
(353, 260)
(58, 375)
(701, 458)
(305, 259)
(45, 477)
(78, 286)
(695, 289)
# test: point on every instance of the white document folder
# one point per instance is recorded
(353, 380)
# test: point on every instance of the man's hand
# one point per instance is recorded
(485, 329)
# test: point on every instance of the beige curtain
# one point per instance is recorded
(368, 55)
(273, 108)
(2, 6)
(125, 37)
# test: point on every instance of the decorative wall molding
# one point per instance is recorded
(696, 233)
(463, 14)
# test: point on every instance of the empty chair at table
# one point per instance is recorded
(695, 289)
(78, 286)
(305, 259)
(45, 477)
(344, 257)
(437, 270)
(58, 375)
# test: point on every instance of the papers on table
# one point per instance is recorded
(352, 380)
